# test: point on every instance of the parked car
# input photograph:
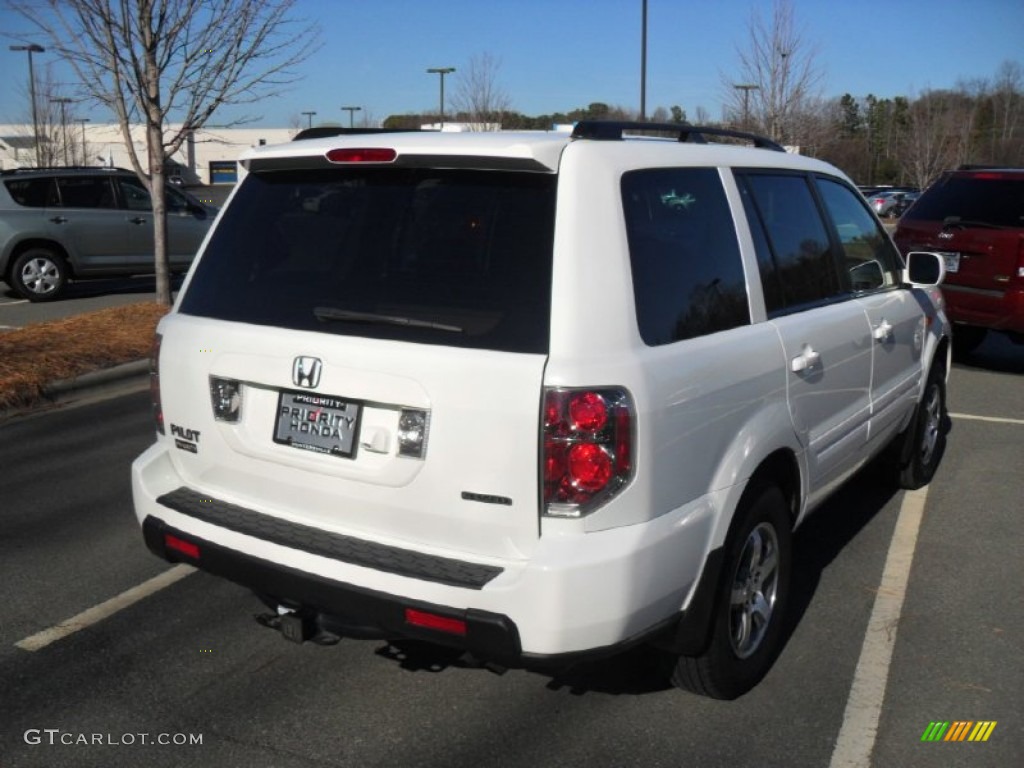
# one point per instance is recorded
(536, 396)
(61, 224)
(975, 218)
(887, 202)
(903, 203)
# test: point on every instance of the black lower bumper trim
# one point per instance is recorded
(348, 549)
(488, 635)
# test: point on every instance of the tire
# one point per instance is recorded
(967, 338)
(926, 434)
(39, 274)
(749, 611)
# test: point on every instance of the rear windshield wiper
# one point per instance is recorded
(956, 221)
(332, 313)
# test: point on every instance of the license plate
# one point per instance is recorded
(319, 423)
(952, 260)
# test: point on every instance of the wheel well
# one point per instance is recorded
(26, 245)
(780, 469)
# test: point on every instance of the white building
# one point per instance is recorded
(209, 159)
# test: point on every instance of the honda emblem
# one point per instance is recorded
(306, 372)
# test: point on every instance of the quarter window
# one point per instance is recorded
(688, 276)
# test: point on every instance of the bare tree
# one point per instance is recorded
(781, 66)
(154, 61)
(931, 145)
(478, 94)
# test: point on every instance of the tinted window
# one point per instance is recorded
(33, 193)
(989, 198)
(134, 196)
(869, 255)
(793, 251)
(687, 274)
(460, 258)
(85, 192)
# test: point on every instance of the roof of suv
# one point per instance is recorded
(540, 150)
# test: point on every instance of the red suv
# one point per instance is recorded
(975, 218)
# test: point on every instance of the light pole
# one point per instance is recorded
(85, 157)
(351, 111)
(442, 71)
(310, 116)
(643, 64)
(746, 88)
(63, 101)
(32, 48)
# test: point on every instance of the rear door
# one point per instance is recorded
(389, 331)
(824, 332)
(88, 223)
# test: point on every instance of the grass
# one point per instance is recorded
(38, 354)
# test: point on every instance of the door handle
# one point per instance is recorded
(59, 220)
(137, 220)
(882, 331)
(806, 360)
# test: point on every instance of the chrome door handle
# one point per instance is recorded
(59, 220)
(882, 331)
(137, 220)
(806, 360)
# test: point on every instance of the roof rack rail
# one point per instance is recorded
(611, 130)
(988, 167)
(64, 168)
(322, 131)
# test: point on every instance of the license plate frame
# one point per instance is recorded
(333, 430)
(952, 259)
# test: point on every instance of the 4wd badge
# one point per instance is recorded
(306, 372)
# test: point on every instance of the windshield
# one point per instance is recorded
(454, 257)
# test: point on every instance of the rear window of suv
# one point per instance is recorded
(983, 197)
(451, 257)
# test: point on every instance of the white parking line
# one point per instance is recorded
(104, 610)
(996, 419)
(867, 693)
(12, 303)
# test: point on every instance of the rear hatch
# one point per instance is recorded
(387, 327)
(976, 219)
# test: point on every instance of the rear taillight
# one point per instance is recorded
(154, 384)
(588, 448)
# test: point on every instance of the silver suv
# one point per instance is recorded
(533, 395)
(76, 223)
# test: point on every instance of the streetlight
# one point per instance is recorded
(310, 116)
(643, 64)
(63, 101)
(351, 111)
(32, 48)
(746, 88)
(442, 71)
(85, 157)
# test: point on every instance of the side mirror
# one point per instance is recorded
(924, 268)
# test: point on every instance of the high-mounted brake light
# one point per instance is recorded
(362, 155)
(588, 448)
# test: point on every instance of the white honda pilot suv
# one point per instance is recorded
(536, 396)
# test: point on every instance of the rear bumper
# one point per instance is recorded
(577, 594)
(998, 310)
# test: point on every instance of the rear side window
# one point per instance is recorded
(979, 198)
(451, 257)
(688, 276)
(33, 193)
(86, 192)
(798, 268)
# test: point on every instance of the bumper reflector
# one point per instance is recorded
(433, 621)
(180, 545)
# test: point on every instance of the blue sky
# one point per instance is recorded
(556, 55)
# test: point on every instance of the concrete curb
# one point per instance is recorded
(114, 380)
(60, 390)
